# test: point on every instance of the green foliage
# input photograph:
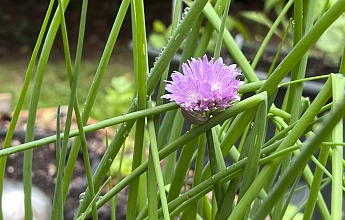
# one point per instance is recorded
(125, 163)
(261, 18)
(290, 213)
(271, 4)
(56, 75)
(158, 38)
(332, 41)
(116, 100)
(231, 23)
(261, 169)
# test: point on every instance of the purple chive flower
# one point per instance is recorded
(206, 88)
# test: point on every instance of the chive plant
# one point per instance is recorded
(238, 170)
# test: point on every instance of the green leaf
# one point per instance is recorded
(232, 22)
(121, 84)
(269, 4)
(260, 18)
(157, 41)
(159, 26)
(332, 40)
(290, 213)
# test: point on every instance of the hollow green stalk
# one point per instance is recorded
(338, 84)
(192, 211)
(94, 89)
(230, 43)
(309, 178)
(176, 39)
(256, 140)
(73, 103)
(315, 187)
(232, 188)
(235, 131)
(342, 63)
(207, 34)
(206, 186)
(307, 174)
(30, 129)
(73, 78)
(154, 76)
(234, 110)
(152, 203)
(21, 98)
(289, 197)
(161, 89)
(169, 162)
(221, 31)
(196, 192)
(91, 128)
(34, 98)
(164, 129)
(298, 72)
(276, 57)
(70, 78)
(182, 165)
(270, 33)
(303, 46)
(218, 191)
(304, 80)
(301, 160)
(118, 176)
(93, 201)
(324, 151)
(292, 100)
(177, 124)
(292, 137)
(137, 194)
(57, 212)
(157, 170)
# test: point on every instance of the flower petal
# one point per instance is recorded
(205, 88)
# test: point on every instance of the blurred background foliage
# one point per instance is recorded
(20, 23)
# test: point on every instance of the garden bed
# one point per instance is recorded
(44, 159)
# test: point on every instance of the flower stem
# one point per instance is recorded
(221, 31)
(214, 169)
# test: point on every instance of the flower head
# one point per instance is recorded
(206, 88)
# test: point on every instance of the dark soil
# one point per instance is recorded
(44, 163)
